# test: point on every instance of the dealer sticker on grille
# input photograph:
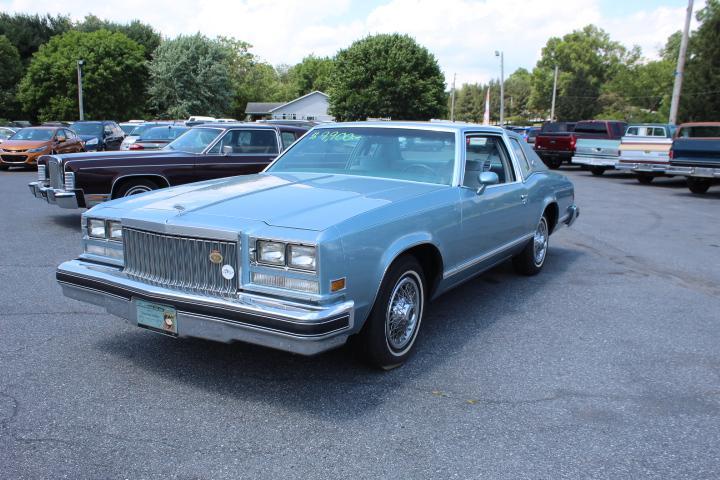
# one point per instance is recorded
(155, 316)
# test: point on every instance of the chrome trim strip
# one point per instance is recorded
(485, 256)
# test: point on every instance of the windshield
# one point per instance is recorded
(591, 127)
(162, 133)
(405, 154)
(40, 134)
(195, 140)
(88, 128)
(557, 127)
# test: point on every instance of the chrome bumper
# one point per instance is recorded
(703, 172)
(642, 167)
(572, 214)
(594, 161)
(284, 325)
(55, 196)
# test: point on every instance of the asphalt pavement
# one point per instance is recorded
(606, 365)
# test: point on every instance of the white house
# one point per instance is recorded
(313, 106)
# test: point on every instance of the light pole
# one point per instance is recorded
(80, 64)
(502, 87)
(680, 71)
(552, 107)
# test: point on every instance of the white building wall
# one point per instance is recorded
(312, 107)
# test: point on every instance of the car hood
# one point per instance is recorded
(301, 201)
(23, 144)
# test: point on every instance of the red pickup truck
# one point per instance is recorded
(555, 143)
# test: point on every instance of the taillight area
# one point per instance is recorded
(573, 141)
(135, 146)
(670, 154)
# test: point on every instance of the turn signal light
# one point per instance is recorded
(337, 285)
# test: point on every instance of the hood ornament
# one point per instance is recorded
(178, 207)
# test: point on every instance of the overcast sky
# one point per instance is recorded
(462, 34)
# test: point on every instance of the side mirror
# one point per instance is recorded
(227, 150)
(485, 179)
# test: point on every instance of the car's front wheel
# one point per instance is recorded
(133, 187)
(531, 260)
(389, 334)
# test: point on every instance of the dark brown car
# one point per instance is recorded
(28, 144)
(202, 153)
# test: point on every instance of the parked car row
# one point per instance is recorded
(649, 150)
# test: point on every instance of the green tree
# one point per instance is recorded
(190, 75)
(387, 76)
(518, 88)
(9, 76)
(700, 98)
(28, 32)
(137, 31)
(311, 74)
(587, 59)
(114, 77)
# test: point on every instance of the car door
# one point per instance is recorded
(494, 222)
(240, 151)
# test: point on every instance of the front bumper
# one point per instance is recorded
(57, 196)
(703, 172)
(284, 325)
(572, 214)
(20, 159)
(594, 161)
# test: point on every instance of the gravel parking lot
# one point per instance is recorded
(606, 365)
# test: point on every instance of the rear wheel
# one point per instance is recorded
(645, 179)
(553, 163)
(134, 187)
(389, 334)
(597, 171)
(698, 185)
(531, 260)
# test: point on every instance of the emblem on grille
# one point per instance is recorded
(216, 257)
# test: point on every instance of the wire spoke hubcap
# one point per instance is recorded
(540, 242)
(403, 313)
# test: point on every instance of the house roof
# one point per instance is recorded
(262, 108)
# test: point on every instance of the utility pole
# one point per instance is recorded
(552, 107)
(502, 87)
(680, 71)
(80, 64)
(452, 102)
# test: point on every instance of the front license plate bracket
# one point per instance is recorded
(156, 317)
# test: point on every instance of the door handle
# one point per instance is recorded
(523, 198)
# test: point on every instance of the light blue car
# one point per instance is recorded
(347, 234)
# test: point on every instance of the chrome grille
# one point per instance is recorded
(55, 173)
(181, 263)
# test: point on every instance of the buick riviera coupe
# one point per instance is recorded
(202, 153)
(346, 235)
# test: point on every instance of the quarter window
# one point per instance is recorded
(520, 155)
(486, 153)
(287, 139)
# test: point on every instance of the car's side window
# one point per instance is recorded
(248, 142)
(288, 138)
(632, 131)
(108, 130)
(520, 155)
(486, 153)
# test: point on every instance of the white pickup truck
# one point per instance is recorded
(644, 150)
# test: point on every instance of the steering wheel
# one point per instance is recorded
(419, 166)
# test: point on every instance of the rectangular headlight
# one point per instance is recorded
(271, 253)
(114, 230)
(302, 257)
(41, 172)
(96, 228)
(69, 181)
